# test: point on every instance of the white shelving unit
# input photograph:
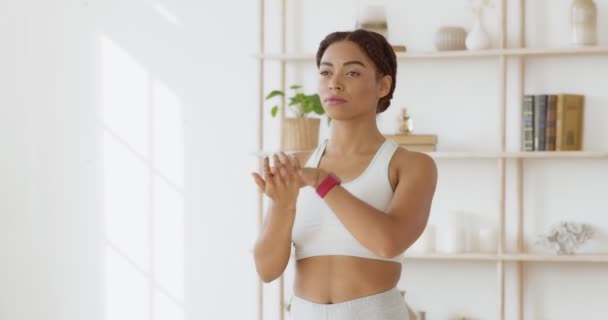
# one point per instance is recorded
(492, 53)
(502, 257)
(498, 155)
(517, 257)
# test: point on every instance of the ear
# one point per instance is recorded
(385, 86)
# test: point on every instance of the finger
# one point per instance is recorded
(277, 178)
(276, 161)
(295, 169)
(291, 173)
(268, 175)
(286, 162)
(279, 169)
(284, 173)
(267, 171)
(259, 181)
(294, 162)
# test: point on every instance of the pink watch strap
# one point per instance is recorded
(327, 184)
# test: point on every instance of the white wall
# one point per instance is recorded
(458, 100)
(13, 185)
(50, 228)
(125, 130)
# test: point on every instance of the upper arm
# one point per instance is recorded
(410, 207)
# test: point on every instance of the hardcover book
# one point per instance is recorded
(551, 119)
(540, 117)
(569, 122)
(528, 123)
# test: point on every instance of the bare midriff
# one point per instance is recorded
(335, 279)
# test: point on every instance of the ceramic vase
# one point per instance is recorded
(373, 18)
(477, 38)
(583, 22)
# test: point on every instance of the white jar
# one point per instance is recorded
(451, 237)
(488, 240)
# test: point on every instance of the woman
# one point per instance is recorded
(359, 201)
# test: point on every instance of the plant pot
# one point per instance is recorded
(300, 134)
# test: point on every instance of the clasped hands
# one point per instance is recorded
(283, 180)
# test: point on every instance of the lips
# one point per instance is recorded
(334, 100)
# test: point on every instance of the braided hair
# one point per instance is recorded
(377, 49)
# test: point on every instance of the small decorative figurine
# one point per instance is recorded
(566, 237)
(405, 122)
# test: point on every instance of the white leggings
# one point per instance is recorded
(388, 305)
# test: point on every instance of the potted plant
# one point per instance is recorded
(301, 132)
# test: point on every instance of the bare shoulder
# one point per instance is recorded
(414, 164)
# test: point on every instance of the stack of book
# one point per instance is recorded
(415, 142)
(399, 48)
(552, 122)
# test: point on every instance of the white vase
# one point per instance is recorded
(583, 22)
(477, 38)
(373, 18)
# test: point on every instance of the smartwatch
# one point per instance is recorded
(327, 184)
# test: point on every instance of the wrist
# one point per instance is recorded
(284, 207)
(321, 177)
(327, 184)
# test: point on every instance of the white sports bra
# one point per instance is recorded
(318, 232)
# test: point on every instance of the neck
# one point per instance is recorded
(357, 136)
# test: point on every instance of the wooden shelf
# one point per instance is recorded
(572, 51)
(515, 52)
(489, 155)
(530, 257)
(453, 257)
(263, 153)
(521, 155)
(514, 257)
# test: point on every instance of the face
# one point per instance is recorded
(349, 83)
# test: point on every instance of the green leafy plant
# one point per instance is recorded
(301, 104)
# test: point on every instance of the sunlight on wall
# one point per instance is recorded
(168, 135)
(143, 156)
(163, 11)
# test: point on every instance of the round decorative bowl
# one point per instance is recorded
(450, 38)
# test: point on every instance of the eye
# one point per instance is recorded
(353, 74)
(324, 73)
